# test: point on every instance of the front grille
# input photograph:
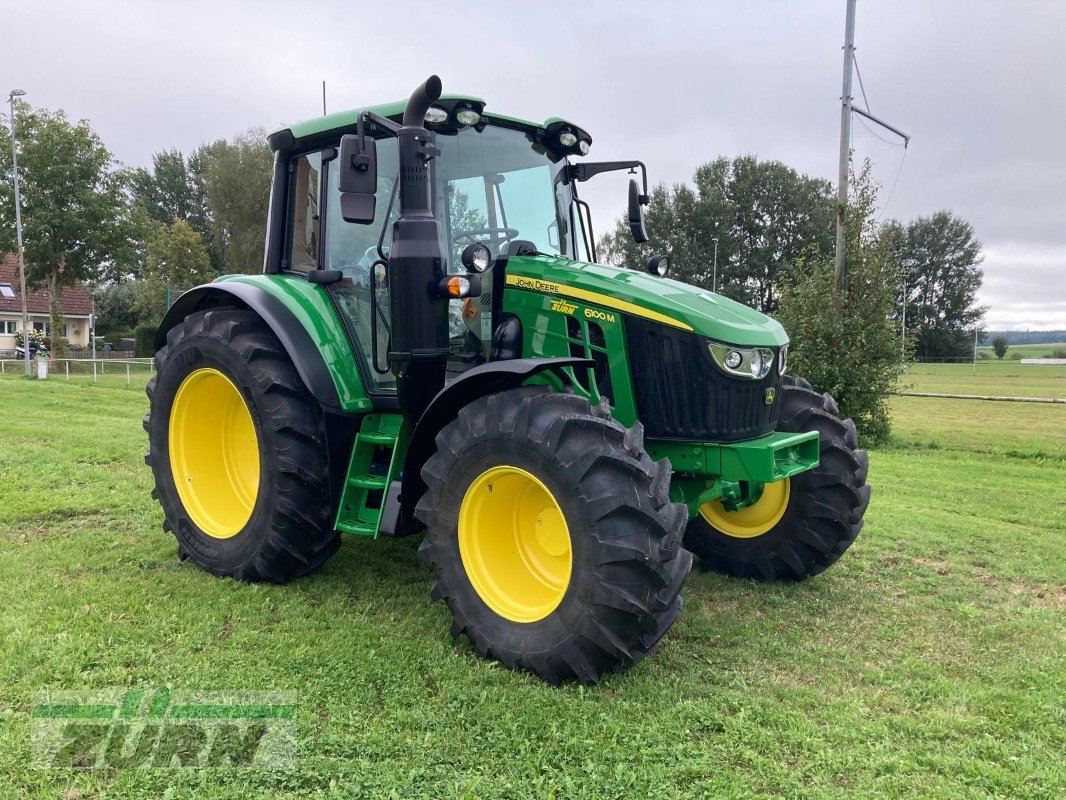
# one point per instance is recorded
(682, 394)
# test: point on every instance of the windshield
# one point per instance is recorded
(492, 186)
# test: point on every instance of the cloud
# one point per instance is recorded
(977, 83)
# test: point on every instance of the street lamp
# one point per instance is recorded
(18, 231)
(714, 277)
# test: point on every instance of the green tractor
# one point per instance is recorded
(432, 349)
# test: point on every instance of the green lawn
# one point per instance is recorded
(930, 662)
(1027, 350)
(1007, 378)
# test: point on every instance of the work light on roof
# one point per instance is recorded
(567, 138)
(436, 115)
(467, 116)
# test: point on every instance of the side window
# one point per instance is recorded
(353, 249)
(306, 187)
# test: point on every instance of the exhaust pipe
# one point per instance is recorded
(419, 352)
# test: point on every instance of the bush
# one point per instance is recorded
(999, 345)
(144, 341)
(1058, 352)
(857, 361)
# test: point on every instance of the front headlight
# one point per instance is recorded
(744, 362)
(783, 360)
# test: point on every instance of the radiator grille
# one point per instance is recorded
(681, 394)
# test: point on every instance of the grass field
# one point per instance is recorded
(1006, 378)
(930, 662)
(1027, 350)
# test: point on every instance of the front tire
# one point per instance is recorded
(551, 534)
(237, 448)
(803, 524)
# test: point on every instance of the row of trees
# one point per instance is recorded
(775, 230)
(130, 234)
(769, 219)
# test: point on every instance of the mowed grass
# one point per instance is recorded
(998, 378)
(1027, 350)
(929, 662)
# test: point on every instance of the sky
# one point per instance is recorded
(980, 87)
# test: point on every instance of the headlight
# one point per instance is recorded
(782, 360)
(744, 362)
(567, 139)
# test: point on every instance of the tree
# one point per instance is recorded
(76, 214)
(170, 191)
(115, 308)
(999, 346)
(939, 259)
(764, 213)
(235, 180)
(177, 260)
(857, 361)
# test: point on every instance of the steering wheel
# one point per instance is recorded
(499, 236)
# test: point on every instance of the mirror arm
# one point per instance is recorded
(583, 172)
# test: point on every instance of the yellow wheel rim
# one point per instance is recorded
(515, 544)
(214, 453)
(756, 519)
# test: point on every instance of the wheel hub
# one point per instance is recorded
(515, 544)
(751, 520)
(214, 453)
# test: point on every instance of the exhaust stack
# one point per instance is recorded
(419, 352)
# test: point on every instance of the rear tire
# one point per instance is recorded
(269, 521)
(823, 508)
(619, 593)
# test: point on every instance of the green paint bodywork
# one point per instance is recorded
(346, 120)
(708, 314)
(312, 307)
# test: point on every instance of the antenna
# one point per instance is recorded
(323, 98)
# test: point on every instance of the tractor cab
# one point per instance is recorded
(497, 181)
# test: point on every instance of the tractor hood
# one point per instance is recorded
(662, 299)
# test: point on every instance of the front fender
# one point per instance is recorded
(496, 376)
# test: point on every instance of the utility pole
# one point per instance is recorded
(845, 151)
(903, 342)
(18, 233)
(714, 277)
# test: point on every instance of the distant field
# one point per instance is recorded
(930, 662)
(997, 377)
(1027, 350)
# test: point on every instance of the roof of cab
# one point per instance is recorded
(342, 120)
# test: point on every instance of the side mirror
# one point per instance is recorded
(358, 178)
(636, 213)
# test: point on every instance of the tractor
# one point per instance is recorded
(432, 348)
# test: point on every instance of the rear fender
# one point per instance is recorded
(305, 354)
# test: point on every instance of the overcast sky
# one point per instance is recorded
(980, 86)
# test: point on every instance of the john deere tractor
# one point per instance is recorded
(431, 349)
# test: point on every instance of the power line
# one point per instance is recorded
(882, 138)
(858, 74)
(895, 181)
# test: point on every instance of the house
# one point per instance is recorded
(74, 304)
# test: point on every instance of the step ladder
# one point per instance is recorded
(370, 470)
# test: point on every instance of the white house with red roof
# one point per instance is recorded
(74, 304)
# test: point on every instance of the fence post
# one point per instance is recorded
(94, 370)
(66, 364)
(127, 373)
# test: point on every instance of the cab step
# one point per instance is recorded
(372, 466)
